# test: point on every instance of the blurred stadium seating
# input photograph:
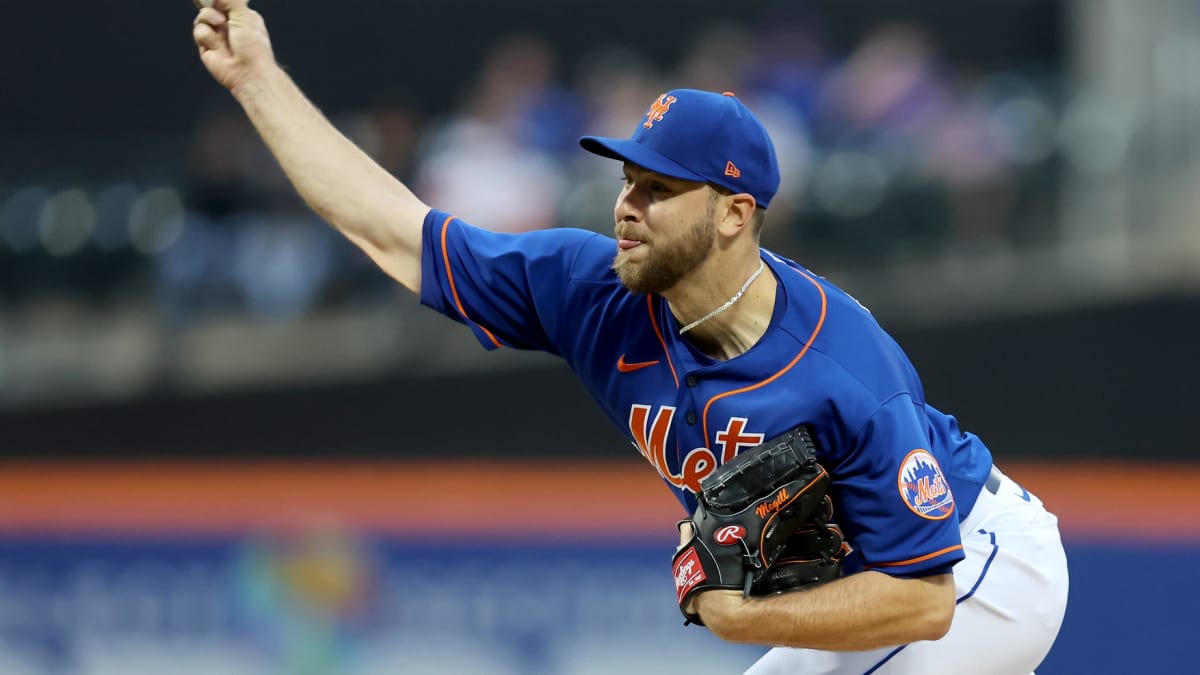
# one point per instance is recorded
(938, 161)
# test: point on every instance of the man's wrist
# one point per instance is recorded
(721, 611)
(257, 82)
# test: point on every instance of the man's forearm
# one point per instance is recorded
(334, 177)
(859, 612)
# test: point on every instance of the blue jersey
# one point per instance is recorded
(903, 474)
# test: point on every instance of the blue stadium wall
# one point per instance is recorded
(490, 568)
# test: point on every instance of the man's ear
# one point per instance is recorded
(738, 214)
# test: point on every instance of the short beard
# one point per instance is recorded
(671, 261)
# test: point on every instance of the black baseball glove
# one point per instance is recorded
(813, 555)
(748, 512)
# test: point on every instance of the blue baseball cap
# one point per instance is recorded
(703, 137)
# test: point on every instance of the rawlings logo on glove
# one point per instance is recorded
(760, 524)
(729, 535)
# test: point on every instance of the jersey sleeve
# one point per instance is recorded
(893, 499)
(511, 289)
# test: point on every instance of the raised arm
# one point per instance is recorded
(338, 180)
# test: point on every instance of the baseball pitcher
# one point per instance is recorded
(833, 513)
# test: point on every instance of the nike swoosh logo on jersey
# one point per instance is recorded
(630, 367)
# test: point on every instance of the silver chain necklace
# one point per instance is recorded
(728, 303)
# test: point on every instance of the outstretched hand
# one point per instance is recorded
(232, 39)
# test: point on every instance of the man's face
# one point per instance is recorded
(665, 229)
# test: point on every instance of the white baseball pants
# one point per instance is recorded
(1012, 591)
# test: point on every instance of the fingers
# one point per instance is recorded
(229, 6)
(222, 6)
(205, 28)
(211, 17)
(685, 532)
(207, 37)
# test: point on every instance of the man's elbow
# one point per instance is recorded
(935, 621)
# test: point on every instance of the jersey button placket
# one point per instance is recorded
(691, 381)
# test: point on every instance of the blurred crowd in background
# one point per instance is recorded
(894, 154)
(886, 150)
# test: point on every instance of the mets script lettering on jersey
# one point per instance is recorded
(651, 440)
(657, 109)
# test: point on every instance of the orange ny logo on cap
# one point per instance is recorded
(658, 109)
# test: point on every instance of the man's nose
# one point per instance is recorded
(627, 208)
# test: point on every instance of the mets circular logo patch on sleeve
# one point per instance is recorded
(923, 486)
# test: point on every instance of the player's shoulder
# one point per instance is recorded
(590, 254)
(845, 333)
(580, 251)
(809, 293)
(585, 260)
(594, 257)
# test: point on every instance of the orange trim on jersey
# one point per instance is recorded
(804, 350)
(914, 561)
(661, 339)
(454, 288)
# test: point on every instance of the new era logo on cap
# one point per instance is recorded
(706, 137)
